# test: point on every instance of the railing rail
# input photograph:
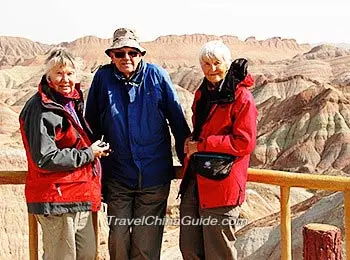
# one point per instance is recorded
(285, 180)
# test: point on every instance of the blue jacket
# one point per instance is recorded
(132, 115)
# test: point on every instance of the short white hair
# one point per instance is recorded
(215, 50)
(60, 56)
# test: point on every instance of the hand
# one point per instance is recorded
(192, 148)
(100, 149)
(188, 139)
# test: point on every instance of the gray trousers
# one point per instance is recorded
(68, 236)
(206, 241)
(134, 234)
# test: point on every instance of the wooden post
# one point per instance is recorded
(321, 242)
(286, 235)
(33, 237)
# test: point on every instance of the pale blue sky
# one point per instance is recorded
(48, 21)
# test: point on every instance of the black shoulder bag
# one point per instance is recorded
(211, 165)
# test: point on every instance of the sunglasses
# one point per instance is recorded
(122, 54)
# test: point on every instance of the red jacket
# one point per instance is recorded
(229, 128)
(61, 166)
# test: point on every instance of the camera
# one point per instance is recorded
(102, 144)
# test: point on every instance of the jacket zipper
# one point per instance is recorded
(59, 107)
(58, 189)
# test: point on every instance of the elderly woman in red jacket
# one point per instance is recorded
(218, 152)
(63, 182)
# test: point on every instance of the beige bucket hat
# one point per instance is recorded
(124, 37)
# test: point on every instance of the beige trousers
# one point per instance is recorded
(68, 236)
(207, 239)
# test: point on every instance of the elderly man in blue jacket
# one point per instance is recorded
(131, 103)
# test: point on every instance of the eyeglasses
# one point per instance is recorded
(122, 54)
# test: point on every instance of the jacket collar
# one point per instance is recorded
(136, 79)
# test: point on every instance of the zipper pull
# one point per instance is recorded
(59, 189)
(94, 170)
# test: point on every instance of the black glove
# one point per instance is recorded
(237, 72)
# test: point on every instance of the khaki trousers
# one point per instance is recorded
(207, 240)
(68, 236)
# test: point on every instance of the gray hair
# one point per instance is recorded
(215, 50)
(60, 56)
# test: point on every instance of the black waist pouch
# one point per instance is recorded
(214, 166)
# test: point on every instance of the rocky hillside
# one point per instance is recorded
(302, 95)
(16, 50)
(261, 239)
(307, 132)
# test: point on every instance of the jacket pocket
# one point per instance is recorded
(72, 191)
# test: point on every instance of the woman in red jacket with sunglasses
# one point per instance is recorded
(218, 152)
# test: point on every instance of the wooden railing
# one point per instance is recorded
(285, 180)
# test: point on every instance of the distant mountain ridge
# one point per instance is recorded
(342, 45)
(14, 50)
(169, 51)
